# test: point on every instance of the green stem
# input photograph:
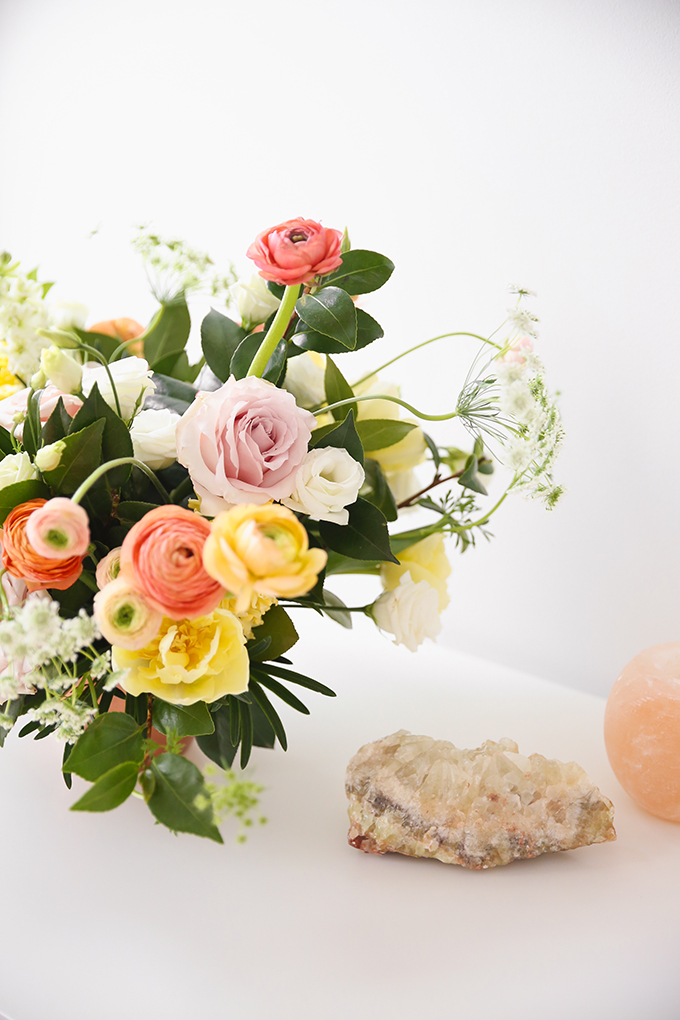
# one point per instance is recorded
(324, 607)
(424, 343)
(484, 519)
(395, 400)
(276, 330)
(83, 489)
(102, 360)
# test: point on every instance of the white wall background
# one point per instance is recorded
(476, 142)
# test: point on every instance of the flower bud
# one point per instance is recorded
(124, 616)
(60, 337)
(48, 457)
(61, 369)
(38, 380)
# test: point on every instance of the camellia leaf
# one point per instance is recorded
(172, 393)
(110, 790)
(379, 433)
(380, 494)
(187, 720)
(368, 329)
(278, 626)
(57, 425)
(21, 492)
(116, 440)
(337, 388)
(102, 342)
(5, 442)
(108, 741)
(132, 510)
(331, 312)
(361, 272)
(344, 436)
(168, 332)
(220, 336)
(82, 453)
(364, 537)
(180, 798)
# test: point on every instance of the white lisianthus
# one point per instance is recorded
(305, 379)
(410, 612)
(132, 377)
(61, 369)
(16, 467)
(327, 481)
(153, 437)
(48, 458)
(68, 315)
(255, 301)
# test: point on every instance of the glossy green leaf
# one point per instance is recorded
(32, 425)
(168, 332)
(218, 745)
(270, 713)
(266, 680)
(364, 537)
(246, 733)
(336, 609)
(188, 720)
(293, 677)
(131, 511)
(172, 393)
(178, 784)
(433, 448)
(21, 492)
(57, 425)
(220, 336)
(368, 329)
(81, 455)
(5, 442)
(109, 740)
(110, 790)
(344, 436)
(246, 351)
(330, 312)
(361, 272)
(102, 342)
(337, 388)
(278, 627)
(380, 494)
(116, 440)
(379, 433)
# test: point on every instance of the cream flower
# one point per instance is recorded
(409, 451)
(424, 561)
(327, 481)
(189, 660)
(16, 467)
(305, 378)
(153, 437)
(410, 612)
(132, 377)
(255, 300)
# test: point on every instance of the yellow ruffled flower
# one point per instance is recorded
(409, 451)
(253, 614)
(425, 561)
(261, 550)
(189, 660)
(9, 383)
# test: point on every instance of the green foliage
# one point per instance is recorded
(361, 272)
(106, 345)
(57, 425)
(364, 537)
(168, 332)
(344, 436)
(81, 455)
(185, 720)
(218, 745)
(178, 797)
(111, 789)
(108, 741)
(21, 492)
(131, 510)
(337, 388)
(116, 440)
(32, 425)
(220, 337)
(331, 313)
(368, 330)
(172, 393)
(380, 494)
(278, 627)
(246, 351)
(5, 442)
(379, 433)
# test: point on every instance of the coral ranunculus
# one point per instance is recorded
(122, 329)
(162, 557)
(261, 550)
(59, 529)
(296, 251)
(21, 560)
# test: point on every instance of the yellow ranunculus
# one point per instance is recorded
(425, 561)
(261, 550)
(189, 660)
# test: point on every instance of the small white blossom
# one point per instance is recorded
(410, 612)
(16, 467)
(153, 437)
(22, 313)
(174, 267)
(115, 678)
(69, 719)
(327, 481)
(523, 321)
(101, 665)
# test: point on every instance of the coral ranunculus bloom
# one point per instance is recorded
(162, 557)
(21, 560)
(122, 329)
(296, 251)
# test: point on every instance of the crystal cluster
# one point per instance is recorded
(422, 797)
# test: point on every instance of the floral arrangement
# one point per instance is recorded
(161, 520)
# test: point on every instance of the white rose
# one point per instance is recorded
(153, 437)
(68, 314)
(327, 481)
(255, 301)
(410, 612)
(132, 377)
(305, 375)
(16, 467)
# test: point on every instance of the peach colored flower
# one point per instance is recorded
(162, 557)
(108, 568)
(261, 550)
(124, 616)
(122, 329)
(296, 251)
(243, 443)
(59, 529)
(21, 560)
(18, 402)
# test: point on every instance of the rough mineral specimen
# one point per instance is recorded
(426, 798)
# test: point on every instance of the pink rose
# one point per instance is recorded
(18, 402)
(243, 443)
(296, 251)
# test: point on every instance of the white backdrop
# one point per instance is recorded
(476, 142)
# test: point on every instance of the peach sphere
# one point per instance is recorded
(642, 730)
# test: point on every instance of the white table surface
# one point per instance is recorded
(297, 924)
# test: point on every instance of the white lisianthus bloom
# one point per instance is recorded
(255, 300)
(16, 467)
(61, 369)
(410, 612)
(132, 377)
(68, 314)
(153, 437)
(305, 379)
(327, 481)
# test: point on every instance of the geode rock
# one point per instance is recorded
(426, 798)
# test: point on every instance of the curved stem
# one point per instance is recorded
(123, 347)
(484, 519)
(395, 400)
(100, 357)
(437, 480)
(276, 330)
(83, 489)
(424, 343)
